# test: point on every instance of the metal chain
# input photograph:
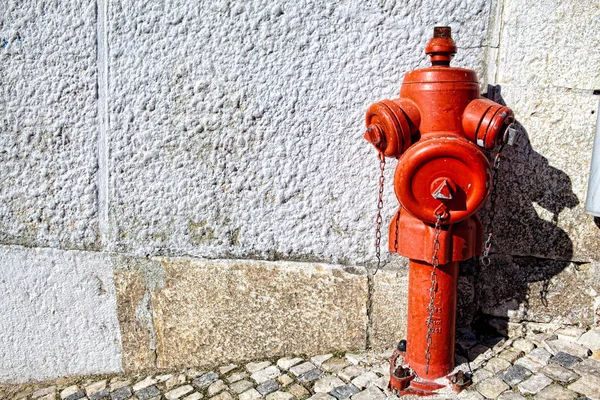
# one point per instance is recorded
(487, 246)
(435, 262)
(396, 233)
(379, 219)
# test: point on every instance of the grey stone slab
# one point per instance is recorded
(121, 394)
(511, 355)
(251, 394)
(214, 388)
(267, 387)
(515, 374)
(68, 391)
(570, 334)
(147, 393)
(49, 141)
(535, 360)
(564, 359)
(389, 314)
(75, 396)
(181, 391)
(310, 376)
(321, 396)
(101, 394)
(469, 395)
(335, 365)
(236, 376)
(344, 392)
(205, 379)
(481, 375)
(320, 359)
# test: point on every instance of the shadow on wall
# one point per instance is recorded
(528, 247)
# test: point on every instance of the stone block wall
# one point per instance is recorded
(149, 150)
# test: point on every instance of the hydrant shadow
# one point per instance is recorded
(529, 248)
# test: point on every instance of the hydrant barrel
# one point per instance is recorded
(444, 319)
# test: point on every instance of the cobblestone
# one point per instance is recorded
(241, 386)
(121, 394)
(496, 365)
(268, 387)
(302, 368)
(205, 380)
(534, 384)
(492, 387)
(560, 345)
(507, 370)
(180, 391)
(515, 375)
(590, 339)
(264, 375)
(344, 392)
(564, 359)
(588, 367)
(559, 373)
(587, 385)
(556, 392)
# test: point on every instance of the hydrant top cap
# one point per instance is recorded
(441, 48)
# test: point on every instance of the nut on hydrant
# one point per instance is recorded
(438, 130)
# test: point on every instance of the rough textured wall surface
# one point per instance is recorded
(548, 70)
(48, 163)
(58, 314)
(236, 127)
(547, 247)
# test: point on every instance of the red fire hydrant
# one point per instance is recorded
(437, 129)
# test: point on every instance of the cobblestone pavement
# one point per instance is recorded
(543, 366)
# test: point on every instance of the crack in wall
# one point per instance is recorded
(102, 98)
(369, 306)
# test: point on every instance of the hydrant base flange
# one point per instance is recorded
(404, 381)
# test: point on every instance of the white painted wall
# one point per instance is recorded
(57, 315)
(227, 129)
